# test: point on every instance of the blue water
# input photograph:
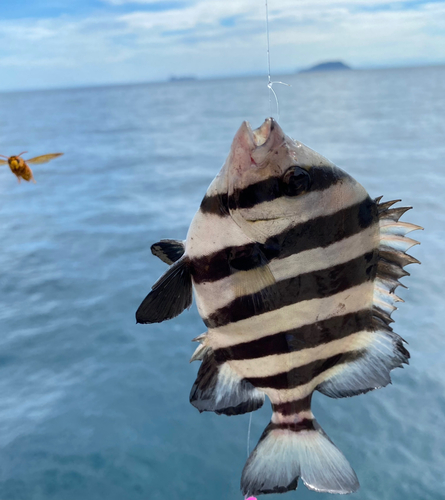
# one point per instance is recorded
(94, 406)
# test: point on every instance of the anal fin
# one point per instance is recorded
(219, 389)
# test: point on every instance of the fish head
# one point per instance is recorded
(256, 155)
(272, 180)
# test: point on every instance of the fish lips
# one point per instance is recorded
(252, 149)
(263, 138)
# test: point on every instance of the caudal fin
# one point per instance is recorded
(287, 452)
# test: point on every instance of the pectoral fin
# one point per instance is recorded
(170, 295)
(169, 251)
(253, 285)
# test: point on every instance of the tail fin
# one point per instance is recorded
(287, 452)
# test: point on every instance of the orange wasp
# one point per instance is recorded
(20, 167)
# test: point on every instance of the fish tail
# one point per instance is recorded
(296, 449)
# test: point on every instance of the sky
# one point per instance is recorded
(70, 43)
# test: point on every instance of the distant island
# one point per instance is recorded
(328, 66)
(182, 78)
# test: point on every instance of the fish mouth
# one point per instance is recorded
(260, 135)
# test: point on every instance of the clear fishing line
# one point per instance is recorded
(248, 435)
(270, 83)
(248, 448)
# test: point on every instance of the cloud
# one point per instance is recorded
(218, 37)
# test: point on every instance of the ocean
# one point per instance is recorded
(94, 406)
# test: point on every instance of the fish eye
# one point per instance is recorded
(296, 181)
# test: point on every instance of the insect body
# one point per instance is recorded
(20, 167)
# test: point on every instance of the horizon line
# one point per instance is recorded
(175, 79)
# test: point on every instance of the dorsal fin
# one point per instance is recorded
(392, 256)
(385, 350)
(169, 251)
(384, 206)
(395, 213)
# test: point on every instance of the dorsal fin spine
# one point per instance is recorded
(392, 258)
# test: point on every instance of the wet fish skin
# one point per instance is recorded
(294, 269)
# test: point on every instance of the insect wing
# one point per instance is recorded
(3, 162)
(43, 159)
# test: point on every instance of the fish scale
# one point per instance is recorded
(294, 269)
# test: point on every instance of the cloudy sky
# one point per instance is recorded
(68, 43)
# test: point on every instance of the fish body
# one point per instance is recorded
(294, 269)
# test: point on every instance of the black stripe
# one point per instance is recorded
(304, 374)
(319, 232)
(216, 204)
(293, 407)
(315, 285)
(268, 190)
(298, 339)
(307, 424)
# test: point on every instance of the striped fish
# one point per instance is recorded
(294, 269)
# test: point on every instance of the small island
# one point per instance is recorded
(328, 66)
(182, 78)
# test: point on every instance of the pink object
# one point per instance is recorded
(251, 498)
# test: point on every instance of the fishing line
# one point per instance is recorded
(248, 435)
(248, 449)
(270, 83)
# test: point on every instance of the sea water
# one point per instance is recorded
(93, 406)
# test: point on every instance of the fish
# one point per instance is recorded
(20, 167)
(294, 269)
